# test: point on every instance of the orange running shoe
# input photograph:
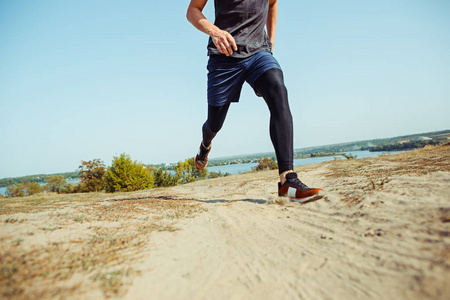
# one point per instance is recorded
(201, 160)
(297, 191)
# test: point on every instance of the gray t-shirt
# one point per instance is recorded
(245, 20)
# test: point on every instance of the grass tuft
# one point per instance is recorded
(112, 235)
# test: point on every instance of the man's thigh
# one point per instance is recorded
(225, 79)
(258, 65)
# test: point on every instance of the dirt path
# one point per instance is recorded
(392, 241)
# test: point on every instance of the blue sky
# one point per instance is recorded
(92, 79)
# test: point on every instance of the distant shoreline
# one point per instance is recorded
(239, 168)
(383, 144)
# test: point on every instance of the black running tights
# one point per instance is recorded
(271, 86)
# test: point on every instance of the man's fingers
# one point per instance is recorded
(221, 47)
(233, 43)
(225, 43)
(228, 49)
(224, 47)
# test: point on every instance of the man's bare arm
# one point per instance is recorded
(223, 40)
(272, 21)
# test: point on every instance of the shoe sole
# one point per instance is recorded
(196, 165)
(199, 168)
(317, 196)
(196, 159)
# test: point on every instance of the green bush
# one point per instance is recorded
(32, 188)
(126, 175)
(187, 172)
(55, 183)
(164, 178)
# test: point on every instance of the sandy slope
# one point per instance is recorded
(381, 232)
(372, 237)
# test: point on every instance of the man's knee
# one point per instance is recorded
(271, 84)
(211, 127)
(277, 89)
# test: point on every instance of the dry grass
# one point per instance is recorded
(418, 162)
(59, 245)
(355, 179)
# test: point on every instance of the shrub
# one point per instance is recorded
(266, 164)
(187, 172)
(71, 188)
(217, 174)
(92, 173)
(15, 190)
(23, 189)
(349, 156)
(32, 188)
(126, 175)
(164, 178)
(55, 183)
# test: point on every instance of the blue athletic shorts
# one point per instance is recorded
(226, 75)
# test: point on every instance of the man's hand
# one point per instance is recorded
(224, 42)
(222, 39)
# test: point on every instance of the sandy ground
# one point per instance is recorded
(381, 232)
(393, 244)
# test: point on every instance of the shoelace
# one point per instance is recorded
(295, 182)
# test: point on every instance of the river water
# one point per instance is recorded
(242, 168)
(73, 181)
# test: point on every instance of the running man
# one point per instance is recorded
(240, 50)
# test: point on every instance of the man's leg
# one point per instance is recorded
(216, 118)
(225, 80)
(271, 86)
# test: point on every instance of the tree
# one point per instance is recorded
(92, 173)
(23, 189)
(55, 183)
(32, 188)
(266, 164)
(187, 172)
(164, 178)
(126, 175)
(15, 190)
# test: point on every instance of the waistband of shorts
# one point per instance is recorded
(223, 57)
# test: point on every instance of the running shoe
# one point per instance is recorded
(296, 190)
(201, 160)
